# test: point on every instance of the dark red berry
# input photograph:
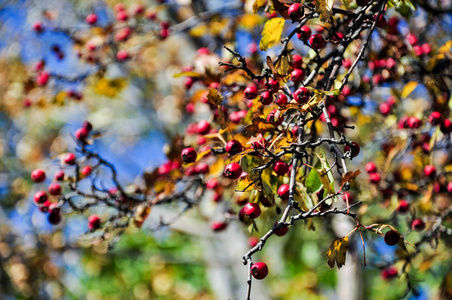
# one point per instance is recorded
(418, 225)
(252, 210)
(392, 238)
(93, 222)
(233, 171)
(203, 127)
(273, 85)
(218, 226)
(435, 118)
(430, 171)
(389, 273)
(266, 98)
(81, 134)
(54, 218)
(259, 270)
(59, 175)
(295, 11)
(40, 197)
(362, 2)
(374, 178)
(250, 92)
(38, 175)
(264, 201)
(87, 125)
(283, 192)
(188, 155)
(54, 189)
(282, 231)
(233, 147)
(355, 149)
(301, 95)
(381, 22)
(280, 168)
(316, 41)
(446, 126)
(403, 206)
(297, 75)
(271, 118)
(297, 61)
(304, 33)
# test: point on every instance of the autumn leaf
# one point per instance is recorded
(337, 252)
(324, 8)
(214, 97)
(272, 33)
(188, 74)
(275, 72)
(221, 119)
(281, 8)
(244, 183)
(258, 4)
(409, 88)
(141, 214)
(110, 87)
(349, 176)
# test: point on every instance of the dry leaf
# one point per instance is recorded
(337, 252)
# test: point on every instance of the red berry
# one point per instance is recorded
(54, 218)
(38, 175)
(374, 178)
(44, 207)
(188, 155)
(86, 170)
(264, 201)
(389, 273)
(403, 206)
(304, 33)
(122, 55)
(297, 61)
(59, 175)
(122, 16)
(166, 25)
(164, 33)
(371, 167)
(203, 127)
(259, 270)
(218, 226)
(348, 196)
(282, 231)
(250, 92)
(252, 241)
(252, 210)
(414, 123)
(426, 48)
(137, 9)
(295, 11)
(297, 75)
(233, 147)
(69, 158)
(42, 78)
(283, 192)
(385, 108)
(54, 189)
(412, 39)
(281, 100)
(355, 149)
(123, 34)
(93, 222)
(418, 225)
(301, 95)
(266, 98)
(40, 197)
(271, 118)
(38, 27)
(233, 171)
(91, 19)
(273, 85)
(81, 134)
(435, 118)
(430, 171)
(202, 168)
(212, 184)
(316, 41)
(381, 22)
(280, 168)
(449, 187)
(392, 238)
(87, 125)
(446, 126)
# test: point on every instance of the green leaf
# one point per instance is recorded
(272, 33)
(313, 183)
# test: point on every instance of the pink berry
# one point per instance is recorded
(418, 225)
(59, 175)
(122, 55)
(122, 16)
(38, 175)
(86, 170)
(252, 210)
(38, 27)
(252, 241)
(233, 171)
(69, 158)
(446, 126)
(374, 178)
(91, 19)
(203, 127)
(202, 168)
(430, 171)
(371, 167)
(259, 270)
(412, 39)
(385, 108)
(81, 134)
(381, 22)
(271, 118)
(435, 118)
(212, 184)
(43, 78)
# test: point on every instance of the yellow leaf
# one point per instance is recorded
(199, 30)
(258, 4)
(409, 88)
(244, 183)
(189, 74)
(337, 252)
(445, 48)
(250, 21)
(324, 8)
(272, 33)
(110, 87)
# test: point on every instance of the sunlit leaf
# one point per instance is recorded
(258, 4)
(409, 88)
(272, 33)
(324, 8)
(214, 97)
